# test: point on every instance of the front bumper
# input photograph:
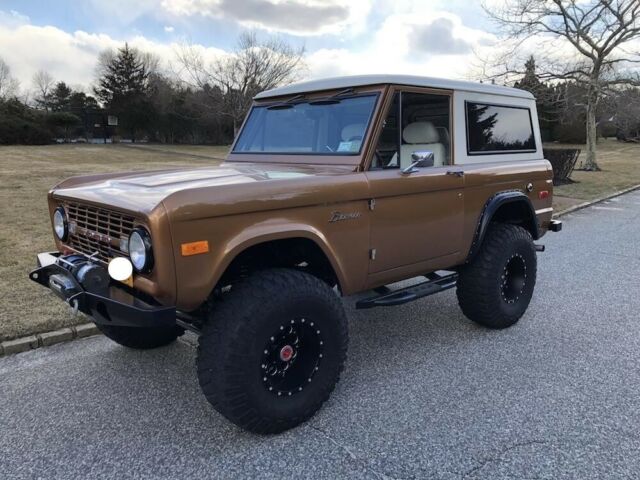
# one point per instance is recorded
(118, 306)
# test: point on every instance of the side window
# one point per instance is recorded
(495, 129)
(416, 122)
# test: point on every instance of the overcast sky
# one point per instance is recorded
(422, 37)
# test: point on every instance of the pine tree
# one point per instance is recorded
(547, 100)
(60, 97)
(123, 88)
(530, 80)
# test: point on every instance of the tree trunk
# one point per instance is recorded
(236, 127)
(592, 132)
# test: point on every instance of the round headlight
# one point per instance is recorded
(60, 223)
(140, 251)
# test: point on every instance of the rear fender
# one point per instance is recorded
(513, 198)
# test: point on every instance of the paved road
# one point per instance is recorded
(426, 394)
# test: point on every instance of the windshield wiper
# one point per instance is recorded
(333, 99)
(286, 104)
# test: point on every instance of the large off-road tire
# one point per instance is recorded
(273, 349)
(141, 338)
(495, 288)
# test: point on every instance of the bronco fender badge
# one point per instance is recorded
(339, 216)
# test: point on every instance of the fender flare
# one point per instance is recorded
(240, 243)
(492, 206)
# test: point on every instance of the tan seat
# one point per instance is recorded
(353, 133)
(354, 130)
(419, 137)
(445, 139)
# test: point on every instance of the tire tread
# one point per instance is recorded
(475, 293)
(233, 319)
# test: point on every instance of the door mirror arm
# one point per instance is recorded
(411, 169)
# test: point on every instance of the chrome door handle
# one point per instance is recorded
(457, 173)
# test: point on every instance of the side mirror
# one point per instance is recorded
(421, 159)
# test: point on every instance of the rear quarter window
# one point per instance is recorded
(493, 129)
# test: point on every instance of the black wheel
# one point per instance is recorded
(273, 349)
(141, 338)
(495, 288)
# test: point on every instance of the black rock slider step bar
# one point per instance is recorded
(435, 283)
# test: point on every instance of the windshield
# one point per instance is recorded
(329, 126)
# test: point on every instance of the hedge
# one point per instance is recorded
(563, 161)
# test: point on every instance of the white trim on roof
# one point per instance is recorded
(410, 80)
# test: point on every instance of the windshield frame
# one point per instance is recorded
(321, 158)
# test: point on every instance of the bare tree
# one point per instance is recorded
(43, 84)
(254, 65)
(599, 34)
(8, 85)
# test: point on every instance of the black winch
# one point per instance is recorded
(90, 276)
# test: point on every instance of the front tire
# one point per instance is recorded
(141, 338)
(273, 350)
(495, 288)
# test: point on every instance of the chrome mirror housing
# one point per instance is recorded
(423, 158)
(420, 159)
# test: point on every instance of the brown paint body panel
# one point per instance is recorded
(420, 222)
(408, 224)
(233, 219)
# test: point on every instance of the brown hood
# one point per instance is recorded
(142, 192)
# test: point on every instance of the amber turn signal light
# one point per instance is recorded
(194, 248)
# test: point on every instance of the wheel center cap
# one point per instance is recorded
(286, 353)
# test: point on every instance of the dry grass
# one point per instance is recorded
(620, 163)
(27, 173)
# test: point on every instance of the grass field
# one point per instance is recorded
(620, 163)
(27, 173)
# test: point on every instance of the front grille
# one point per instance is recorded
(99, 231)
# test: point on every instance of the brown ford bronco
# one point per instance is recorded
(331, 188)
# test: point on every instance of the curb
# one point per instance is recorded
(580, 206)
(46, 339)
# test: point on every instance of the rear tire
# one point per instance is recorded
(141, 338)
(273, 349)
(495, 288)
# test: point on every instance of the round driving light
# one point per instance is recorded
(60, 223)
(120, 269)
(140, 251)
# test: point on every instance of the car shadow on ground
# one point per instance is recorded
(383, 342)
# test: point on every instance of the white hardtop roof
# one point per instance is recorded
(410, 80)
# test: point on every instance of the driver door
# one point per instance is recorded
(417, 216)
